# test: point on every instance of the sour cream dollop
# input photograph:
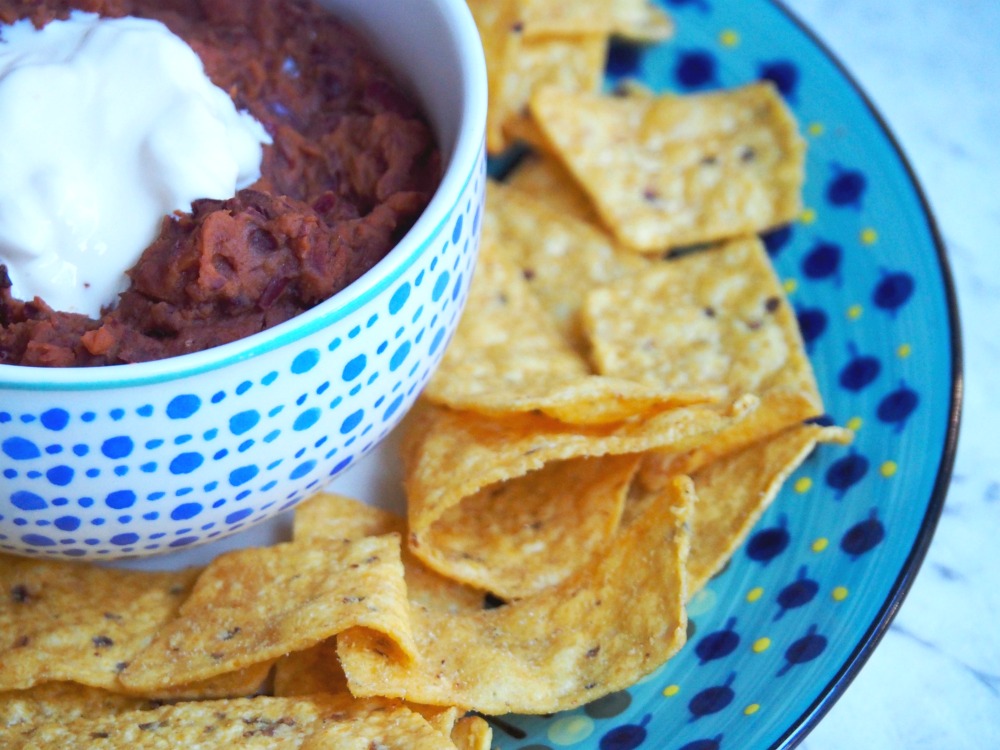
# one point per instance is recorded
(106, 126)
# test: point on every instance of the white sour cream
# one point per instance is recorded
(106, 126)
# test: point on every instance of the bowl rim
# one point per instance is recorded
(463, 162)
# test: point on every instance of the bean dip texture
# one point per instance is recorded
(352, 165)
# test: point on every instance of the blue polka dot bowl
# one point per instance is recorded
(138, 460)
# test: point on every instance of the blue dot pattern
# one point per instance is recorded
(175, 464)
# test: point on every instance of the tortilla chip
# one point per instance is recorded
(506, 357)
(635, 20)
(329, 516)
(308, 672)
(716, 317)
(561, 257)
(570, 63)
(733, 492)
(23, 711)
(616, 619)
(254, 605)
(497, 22)
(676, 171)
(449, 455)
(314, 723)
(548, 183)
(472, 733)
(517, 537)
(61, 621)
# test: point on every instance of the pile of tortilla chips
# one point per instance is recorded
(625, 395)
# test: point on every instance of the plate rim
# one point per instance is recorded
(800, 727)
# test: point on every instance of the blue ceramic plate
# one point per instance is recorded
(778, 635)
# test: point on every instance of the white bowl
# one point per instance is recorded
(137, 460)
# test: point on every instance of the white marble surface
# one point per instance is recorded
(932, 68)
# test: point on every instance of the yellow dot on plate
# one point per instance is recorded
(816, 128)
(569, 730)
(729, 38)
(761, 645)
(904, 351)
(803, 484)
(888, 469)
(839, 593)
(790, 286)
(671, 690)
(854, 423)
(820, 544)
(751, 709)
(808, 216)
(854, 312)
(754, 594)
(869, 236)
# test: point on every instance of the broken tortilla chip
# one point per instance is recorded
(634, 20)
(676, 171)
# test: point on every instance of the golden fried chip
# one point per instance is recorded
(472, 733)
(506, 357)
(255, 605)
(497, 22)
(715, 317)
(329, 516)
(79, 623)
(449, 455)
(617, 618)
(23, 711)
(550, 185)
(313, 670)
(636, 20)
(561, 256)
(517, 537)
(734, 491)
(313, 723)
(675, 171)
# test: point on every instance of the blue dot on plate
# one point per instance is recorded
(305, 361)
(695, 68)
(55, 419)
(183, 406)
(123, 540)
(456, 233)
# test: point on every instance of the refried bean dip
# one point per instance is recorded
(352, 165)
